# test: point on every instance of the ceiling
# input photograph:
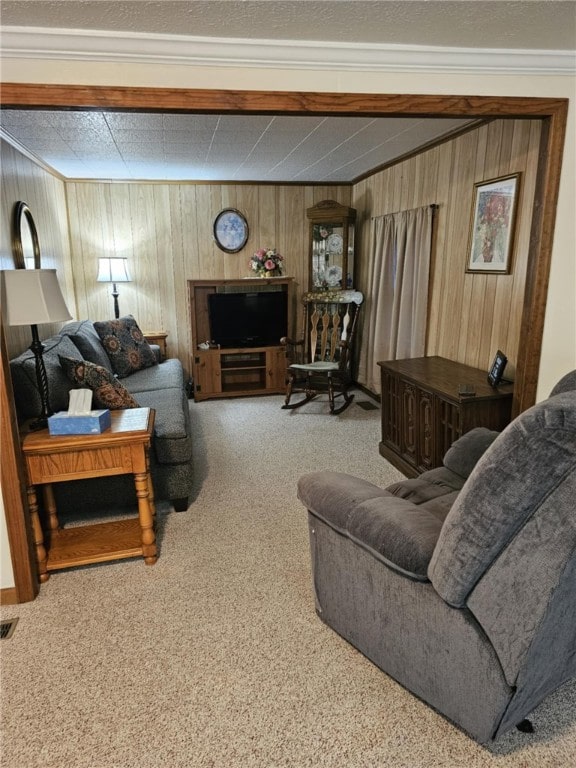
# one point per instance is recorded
(259, 148)
(515, 24)
(262, 148)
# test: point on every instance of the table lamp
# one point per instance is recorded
(33, 297)
(113, 269)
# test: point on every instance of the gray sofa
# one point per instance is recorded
(461, 583)
(160, 386)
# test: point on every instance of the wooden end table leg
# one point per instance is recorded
(151, 499)
(41, 555)
(146, 518)
(50, 507)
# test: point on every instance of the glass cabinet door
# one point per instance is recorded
(331, 246)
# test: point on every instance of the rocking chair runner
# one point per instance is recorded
(320, 362)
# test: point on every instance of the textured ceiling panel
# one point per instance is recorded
(143, 146)
(535, 24)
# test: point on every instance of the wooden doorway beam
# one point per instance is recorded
(553, 113)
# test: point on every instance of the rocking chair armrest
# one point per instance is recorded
(285, 341)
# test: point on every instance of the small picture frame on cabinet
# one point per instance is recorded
(497, 369)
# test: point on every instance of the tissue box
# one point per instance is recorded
(63, 423)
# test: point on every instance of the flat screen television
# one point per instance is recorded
(258, 319)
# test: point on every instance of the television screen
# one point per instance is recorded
(248, 319)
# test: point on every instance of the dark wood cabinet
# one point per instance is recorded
(423, 412)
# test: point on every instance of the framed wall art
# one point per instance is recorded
(492, 225)
(230, 230)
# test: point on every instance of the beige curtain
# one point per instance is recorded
(397, 292)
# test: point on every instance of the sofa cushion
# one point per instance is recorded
(23, 370)
(125, 345)
(84, 336)
(509, 484)
(107, 391)
(172, 442)
(165, 375)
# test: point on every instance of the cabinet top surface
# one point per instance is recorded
(243, 281)
(446, 377)
(127, 424)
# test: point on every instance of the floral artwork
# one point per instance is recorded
(267, 262)
(493, 225)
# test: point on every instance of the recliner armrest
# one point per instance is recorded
(400, 534)
(464, 453)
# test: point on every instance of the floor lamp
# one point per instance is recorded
(113, 269)
(33, 297)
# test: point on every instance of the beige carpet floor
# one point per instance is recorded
(214, 657)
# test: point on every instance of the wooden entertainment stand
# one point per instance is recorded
(238, 371)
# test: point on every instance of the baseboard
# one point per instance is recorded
(8, 596)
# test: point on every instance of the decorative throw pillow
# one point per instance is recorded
(125, 345)
(108, 391)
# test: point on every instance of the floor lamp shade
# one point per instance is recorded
(33, 297)
(113, 269)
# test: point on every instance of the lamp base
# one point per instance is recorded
(37, 349)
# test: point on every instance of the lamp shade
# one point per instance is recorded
(32, 297)
(113, 270)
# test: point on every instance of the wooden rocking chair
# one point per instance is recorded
(320, 362)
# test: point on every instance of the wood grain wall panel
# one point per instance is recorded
(470, 315)
(24, 180)
(165, 231)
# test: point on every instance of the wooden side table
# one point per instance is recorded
(122, 449)
(159, 338)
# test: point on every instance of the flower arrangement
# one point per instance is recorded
(266, 262)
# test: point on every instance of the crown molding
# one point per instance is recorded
(145, 48)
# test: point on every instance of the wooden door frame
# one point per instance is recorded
(553, 113)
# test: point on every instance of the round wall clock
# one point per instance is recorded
(230, 230)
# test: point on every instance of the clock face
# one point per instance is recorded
(230, 230)
(334, 244)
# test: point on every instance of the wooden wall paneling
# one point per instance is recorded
(484, 353)
(267, 232)
(450, 171)
(509, 128)
(173, 316)
(492, 166)
(442, 266)
(23, 179)
(187, 224)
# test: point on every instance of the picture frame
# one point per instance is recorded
(230, 230)
(492, 225)
(497, 369)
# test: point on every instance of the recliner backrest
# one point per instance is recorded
(525, 466)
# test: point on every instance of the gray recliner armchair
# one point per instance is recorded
(461, 583)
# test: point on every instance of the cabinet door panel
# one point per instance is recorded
(207, 378)
(408, 445)
(391, 410)
(449, 426)
(426, 433)
(276, 369)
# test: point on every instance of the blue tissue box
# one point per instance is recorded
(92, 423)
